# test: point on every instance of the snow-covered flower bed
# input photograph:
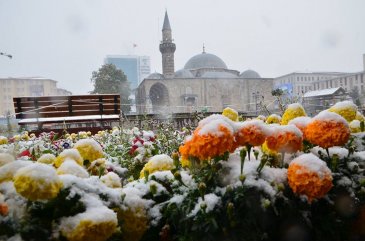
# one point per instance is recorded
(289, 178)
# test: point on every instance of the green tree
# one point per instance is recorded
(110, 80)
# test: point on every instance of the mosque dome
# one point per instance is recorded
(214, 74)
(205, 60)
(250, 74)
(155, 76)
(183, 73)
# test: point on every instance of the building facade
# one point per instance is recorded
(318, 100)
(299, 83)
(136, 68)
(205, 83)
(27, 86)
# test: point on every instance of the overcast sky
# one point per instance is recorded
(68, 39)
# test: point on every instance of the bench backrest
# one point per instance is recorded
(62, 106)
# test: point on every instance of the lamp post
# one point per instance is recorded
(256, 95)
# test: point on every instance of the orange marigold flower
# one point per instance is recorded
(4, 210)
(251, 133)
(301, 122)
(308, 175)
(212, 138)
(285, 139)
(328, 129)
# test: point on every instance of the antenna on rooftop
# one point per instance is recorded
(203, 49)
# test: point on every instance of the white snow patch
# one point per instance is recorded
(210, 200)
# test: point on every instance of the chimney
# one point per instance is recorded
(363, 61)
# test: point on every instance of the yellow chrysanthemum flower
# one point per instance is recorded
(8, 170)
(6, 158)
(135, 223)
(261, 117)
(25, 137)
(37, 182)
(89, 149)
(230, 113)
(158, 163)
(96, 223)
(111, 180)
(72, 168)
(293, 111)
(82, 134)
(47, 158)
(265, 149)
(346, 109)
(97, 167)
(3, 140)
(273, 119)
(355, 126)
(359, 116)
(185, 162)
(72, 154)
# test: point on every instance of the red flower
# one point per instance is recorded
(27, 154)
(133, 149)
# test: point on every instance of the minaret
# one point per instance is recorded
(167, 49)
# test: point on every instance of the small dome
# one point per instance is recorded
(155, 76)
(184, 73)
(205, 60)
(250, 74)
(214, 74)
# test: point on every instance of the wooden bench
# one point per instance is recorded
(71, 113)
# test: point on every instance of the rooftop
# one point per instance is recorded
(324, 92)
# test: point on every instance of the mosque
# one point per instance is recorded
(205, 83)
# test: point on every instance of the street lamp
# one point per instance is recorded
(256, 95)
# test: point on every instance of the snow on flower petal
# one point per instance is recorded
(292, 111)
(5, 158)
(230, 113)
(111, 180)
(47, 158)
(73, 154)
(158, 163)
(89, 149)
(8, 170)
(69, 166)
(273, 119)
(347, 109)
(327, 129)
(308, 175)
(37, 182)
(96, 223)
